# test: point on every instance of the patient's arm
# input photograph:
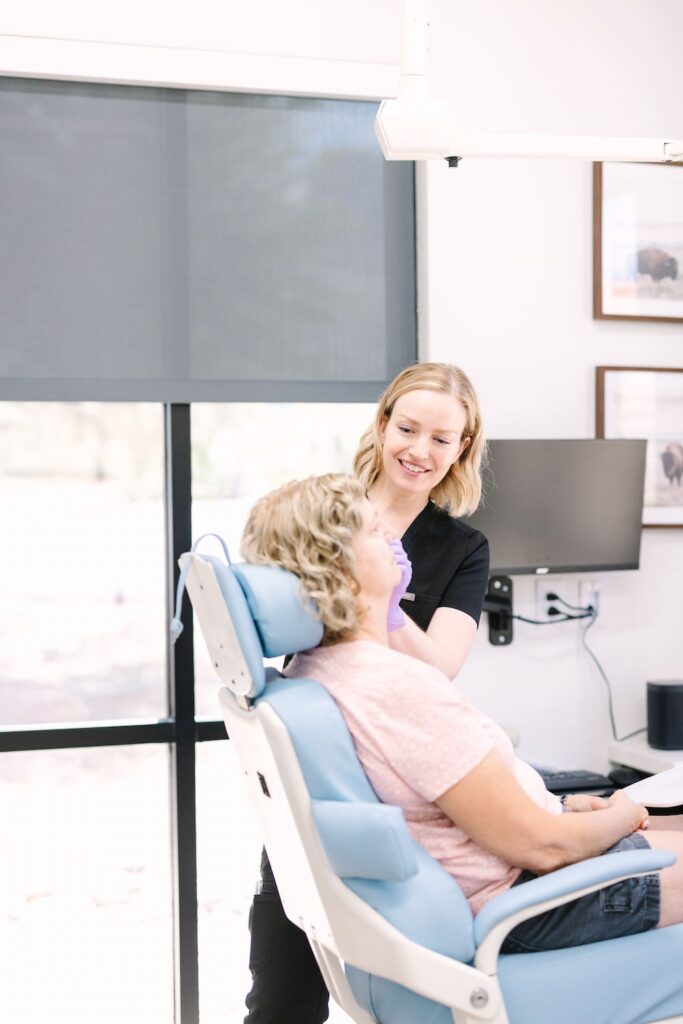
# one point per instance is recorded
(491, 807)
(445, 644)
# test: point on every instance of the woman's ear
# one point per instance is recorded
(464, 445)
(383, 428)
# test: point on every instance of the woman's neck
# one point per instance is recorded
(372, 620)
(375, 636)
(396, 508)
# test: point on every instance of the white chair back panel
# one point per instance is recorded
(216, 625)
(283, 825)
(263, 747)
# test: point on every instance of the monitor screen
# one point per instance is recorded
(562, 505)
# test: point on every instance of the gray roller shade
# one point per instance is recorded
(171, 245)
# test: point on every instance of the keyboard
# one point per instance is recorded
(570, 781)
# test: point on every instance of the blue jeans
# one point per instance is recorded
(623, 908)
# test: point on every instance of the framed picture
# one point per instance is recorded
(638, 242)
(647, 401)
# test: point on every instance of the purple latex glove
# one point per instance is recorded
(396, 617)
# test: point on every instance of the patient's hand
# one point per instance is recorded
(585, 802)
(636, 814)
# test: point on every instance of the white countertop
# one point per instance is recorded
(637, 753)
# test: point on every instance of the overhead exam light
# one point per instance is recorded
(417, 126)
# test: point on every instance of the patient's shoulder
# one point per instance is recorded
(372, 667)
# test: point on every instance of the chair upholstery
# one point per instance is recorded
(331, 770)
(365, 892)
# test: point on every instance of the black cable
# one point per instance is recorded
(636, 732)
(557, 617)
(608, 685)
(591, 613)
(575, 607)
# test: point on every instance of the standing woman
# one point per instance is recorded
(420, 462)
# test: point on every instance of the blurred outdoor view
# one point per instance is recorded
(242, 451)
(85, 897)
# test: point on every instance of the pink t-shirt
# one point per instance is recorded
(416, 736)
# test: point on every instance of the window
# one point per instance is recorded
(86, 920)
(228, 857)
(161, 249)
(239, 452)
(82, 598)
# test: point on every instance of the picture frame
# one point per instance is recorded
(638, 242)
(647, 401)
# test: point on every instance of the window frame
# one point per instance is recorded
(181, 730)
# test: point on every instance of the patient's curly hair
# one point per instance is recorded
(308, 527)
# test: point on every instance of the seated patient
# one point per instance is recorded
(484, 814)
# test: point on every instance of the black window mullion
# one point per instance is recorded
(85, 734)
(210, 729)
(181, 698)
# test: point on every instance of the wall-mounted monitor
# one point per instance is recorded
(563, 505)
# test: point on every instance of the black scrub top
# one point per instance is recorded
(450, 566)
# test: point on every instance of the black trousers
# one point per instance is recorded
(287, 986)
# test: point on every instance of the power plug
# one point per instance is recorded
(540, 588)
(553, 606)
(543, 603)
(548, 603)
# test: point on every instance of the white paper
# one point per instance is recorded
(662, 790)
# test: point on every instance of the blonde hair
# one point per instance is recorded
(459, 492)
(308, 527)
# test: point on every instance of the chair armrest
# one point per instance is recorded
(504, 912)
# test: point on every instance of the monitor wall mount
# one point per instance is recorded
(498, 605)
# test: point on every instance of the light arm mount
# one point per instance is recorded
(419, 126)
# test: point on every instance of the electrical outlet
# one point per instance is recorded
(543, 587)
(589, 594)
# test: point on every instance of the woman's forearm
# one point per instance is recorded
(575, 837)
(445, 645)
(411, 640)
(491, 807)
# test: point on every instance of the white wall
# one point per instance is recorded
(505, 252)
(507, 293)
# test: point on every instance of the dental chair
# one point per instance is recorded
(392, 932)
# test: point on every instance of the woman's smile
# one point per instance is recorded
(412, 468)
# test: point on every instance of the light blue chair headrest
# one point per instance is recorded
(269, 615)
(285, 619)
